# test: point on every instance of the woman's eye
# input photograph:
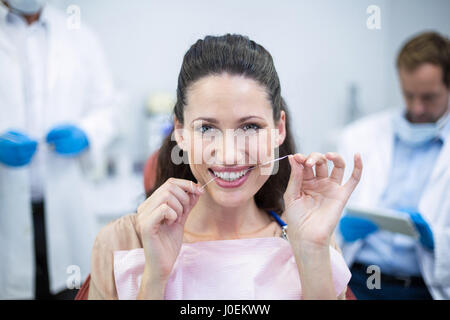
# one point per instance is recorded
(248, 128)
(253, 126)
(204, 129)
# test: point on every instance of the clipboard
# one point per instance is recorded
(385, 219)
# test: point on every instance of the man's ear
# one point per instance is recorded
(281, 126)
(179, 134)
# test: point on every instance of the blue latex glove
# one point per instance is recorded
(16, 148)
(422, 227)
(355, 228)
(68, 140)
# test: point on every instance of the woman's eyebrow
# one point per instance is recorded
(214, 120)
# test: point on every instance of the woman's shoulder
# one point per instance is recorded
(120, 234)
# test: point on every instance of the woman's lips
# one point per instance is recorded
(231, 184)
(230, 169)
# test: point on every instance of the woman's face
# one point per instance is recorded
(229, 128)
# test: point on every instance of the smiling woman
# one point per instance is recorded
(228, 240)
(212, 69)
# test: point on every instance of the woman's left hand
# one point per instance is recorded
(314, 202)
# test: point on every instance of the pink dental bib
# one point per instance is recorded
(252, 269)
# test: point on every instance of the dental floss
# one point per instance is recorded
(274, 160)
(202, 187)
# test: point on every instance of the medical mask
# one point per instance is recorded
(26, 7)
(417, 134)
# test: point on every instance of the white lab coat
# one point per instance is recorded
(79, 91)
(373, 137)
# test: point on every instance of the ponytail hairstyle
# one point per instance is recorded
(236, 55)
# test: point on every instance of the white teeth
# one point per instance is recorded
(230, 176)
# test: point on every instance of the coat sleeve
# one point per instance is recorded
(442, 257)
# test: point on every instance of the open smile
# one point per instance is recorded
(230, 177)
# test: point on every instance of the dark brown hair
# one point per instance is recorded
(427, 47)
(235, 55)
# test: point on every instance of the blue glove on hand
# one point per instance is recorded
(68, 140)
(354, 228)
(422, 227)
(16, 149)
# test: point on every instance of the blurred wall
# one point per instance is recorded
(321, 49)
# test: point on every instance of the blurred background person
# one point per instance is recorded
(406, 154)
(56, 119)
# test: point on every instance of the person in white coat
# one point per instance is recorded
(57, 117)
(407, 155)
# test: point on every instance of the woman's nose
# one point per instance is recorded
(229, 150)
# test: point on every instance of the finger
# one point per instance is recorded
(294, 187)
(193, 201)
(352, 182)
(161, 214)
(186, 185)
(162, 195)
(337, 174)
(180, 194)
(174, 203)
(318, 160)
(170, 216)
(308, 173)
(300, 158)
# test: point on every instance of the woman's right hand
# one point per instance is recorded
(161, 218)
